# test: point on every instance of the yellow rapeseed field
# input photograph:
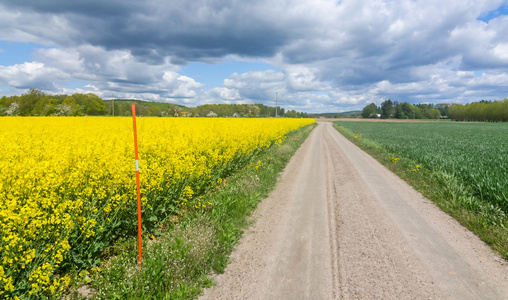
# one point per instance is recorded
(67, 185)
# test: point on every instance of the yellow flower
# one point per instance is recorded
(64, 180)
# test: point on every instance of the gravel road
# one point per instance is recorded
(339, 225)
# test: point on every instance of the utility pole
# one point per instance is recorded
(276, 96)
(113, 99)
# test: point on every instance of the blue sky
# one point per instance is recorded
(318, 55)
(502, 10)
(16, 53)
(212, 75)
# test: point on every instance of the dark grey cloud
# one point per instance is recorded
(95, 8)
(328, 54)
(184, 30)
(386, 40)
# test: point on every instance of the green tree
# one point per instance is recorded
(44, 106)
(443, 108)
(369, 111)
(27, 101)
(92, 104)
(154, 111)
(6, 101)
(75, 109)
(429, 112)
(70, 101)
(387, 109)
(142, 110)
(407, 109)
(399, 113)
(489, 111)
(263, 110)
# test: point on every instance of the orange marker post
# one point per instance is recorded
(137, 181)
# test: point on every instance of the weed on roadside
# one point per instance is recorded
(451, 193)
(178, 261)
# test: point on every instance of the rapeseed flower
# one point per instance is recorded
(67, 183)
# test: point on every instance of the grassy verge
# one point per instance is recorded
(178, 261)
(451, 194)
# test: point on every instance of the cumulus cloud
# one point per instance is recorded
(27, 75)
(225, 95)
(327, 55)
(110, 72)
(153, 30)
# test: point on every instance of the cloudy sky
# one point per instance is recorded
(318, 55)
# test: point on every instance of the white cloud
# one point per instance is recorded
(328, 54)
(501, 52)
(31, 74)
(259, 86)
(224, 95)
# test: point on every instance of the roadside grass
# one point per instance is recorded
(178, 261)
(448, 192)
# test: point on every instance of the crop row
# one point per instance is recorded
(472, 153)
(67, 185)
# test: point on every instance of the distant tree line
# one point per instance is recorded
(483, 111)
(236, 110)
(123, 107)
(160, 109)
(37, 103)
(244, 110)
(348, 114)
(404, 110)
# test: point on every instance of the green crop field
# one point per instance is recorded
(467, 162)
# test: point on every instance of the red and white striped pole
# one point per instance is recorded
(137, 181)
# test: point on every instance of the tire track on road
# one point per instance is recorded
(341, 226)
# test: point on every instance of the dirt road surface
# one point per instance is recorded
(341, 226)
